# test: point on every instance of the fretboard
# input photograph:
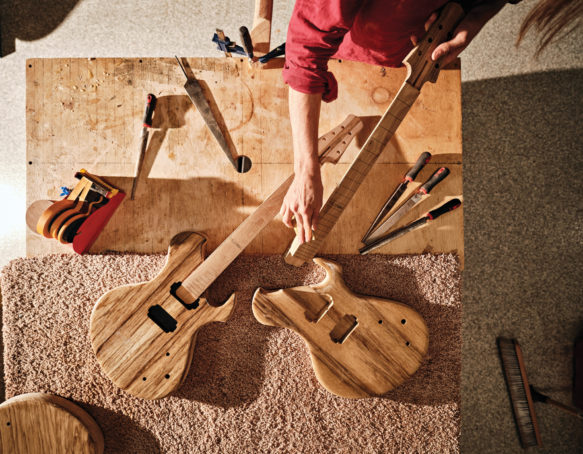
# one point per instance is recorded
(331, 146)
(235, 243)
(297, 253)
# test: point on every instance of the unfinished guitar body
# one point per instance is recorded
(360, 346)
(144, 335)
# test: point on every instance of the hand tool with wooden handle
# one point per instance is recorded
(408, 178)
(360, 346)
(144, 335)
(406, 206)
(147, 124)
(194, 91)
(420, 69)
(433, 214)
(226, 45)
(246, 41)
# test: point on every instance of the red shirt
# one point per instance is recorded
(370, 31)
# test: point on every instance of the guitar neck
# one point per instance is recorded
(299, 253)
(331, 146)
(236, 242)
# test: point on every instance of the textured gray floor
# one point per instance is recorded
(522, 175)
(523, 234)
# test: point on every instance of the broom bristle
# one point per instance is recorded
(518, 388)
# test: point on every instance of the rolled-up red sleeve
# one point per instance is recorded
(315, 32)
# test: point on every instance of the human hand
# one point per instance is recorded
(465, 32)
(302, 203)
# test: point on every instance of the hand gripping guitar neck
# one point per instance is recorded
(420, 69)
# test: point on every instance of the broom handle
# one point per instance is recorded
(565, 408)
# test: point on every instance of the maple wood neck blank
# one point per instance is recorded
(331, 147)
(420, 69)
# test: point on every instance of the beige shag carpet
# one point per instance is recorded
(251, 388)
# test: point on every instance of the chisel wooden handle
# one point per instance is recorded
(147, 124)
(150, 106)
(246, 40)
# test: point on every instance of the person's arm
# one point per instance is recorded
(315, 32)
(304, 197)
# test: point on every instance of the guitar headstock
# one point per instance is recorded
(420, 67)
(333, 144)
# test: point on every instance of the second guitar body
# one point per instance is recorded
(360, 346)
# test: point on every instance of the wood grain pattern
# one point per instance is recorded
(150, 358)
(38, 423)
(331, 147)
(420, 70)
(360, 346)
(88, 113)
(298, 253)
(261, 31)
(34, 211)
(133, 351)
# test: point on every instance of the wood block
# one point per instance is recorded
(38, 423)
(87, 113)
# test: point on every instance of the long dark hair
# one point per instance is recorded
(553, 19)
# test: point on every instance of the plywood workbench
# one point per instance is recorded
(87, 113)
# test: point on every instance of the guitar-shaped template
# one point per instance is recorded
(420, 69)
(360, 346)
(144, 335)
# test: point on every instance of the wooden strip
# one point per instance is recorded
(261, 31)
(298, 253)
(220, 259)
(420, 70)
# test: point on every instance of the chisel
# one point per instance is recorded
(246, 41)
(433, 214)
(150, 106)
(437, 176)
(409, 177)
(194, 91)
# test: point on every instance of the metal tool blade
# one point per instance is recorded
(395, 217)
(145, 134)
(390, 203)
(392, 236)
(196, 95)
